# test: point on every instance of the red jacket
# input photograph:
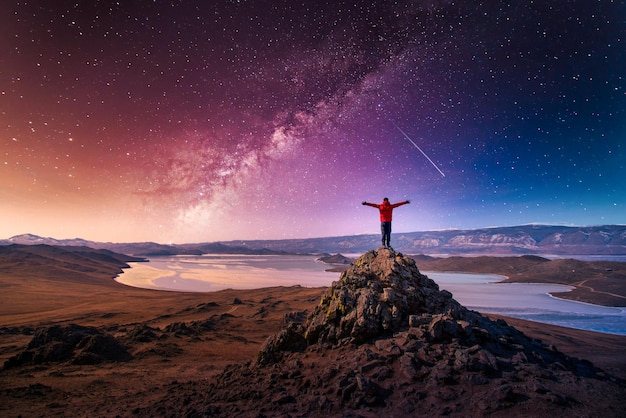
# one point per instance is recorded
(386, 209)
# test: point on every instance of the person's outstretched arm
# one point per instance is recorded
(395, 205)
(374, 205)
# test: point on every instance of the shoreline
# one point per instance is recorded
(322, 288)
(600, 283)
(606, 325)
(508, 279)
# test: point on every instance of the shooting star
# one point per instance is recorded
(420, 150)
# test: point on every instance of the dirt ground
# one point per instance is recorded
(236, 323)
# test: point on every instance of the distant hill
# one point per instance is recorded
(515, 240)
(143, 249)
(137, 248)
(69, 263)
(526, 239)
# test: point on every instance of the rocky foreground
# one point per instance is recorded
(381, 341)
(385, 341)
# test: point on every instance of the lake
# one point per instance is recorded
(480, 292)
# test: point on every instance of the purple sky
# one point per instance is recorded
(183, 121)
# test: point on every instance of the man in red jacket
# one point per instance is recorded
(386, 210)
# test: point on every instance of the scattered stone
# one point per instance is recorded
(142, 333)
(295, 317)
(73, 344)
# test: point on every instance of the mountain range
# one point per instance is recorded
(525, 239)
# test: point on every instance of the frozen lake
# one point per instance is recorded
(530, 301)
(480, 292)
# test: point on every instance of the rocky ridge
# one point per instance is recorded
(384, 340)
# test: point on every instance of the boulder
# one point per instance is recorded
(72, 344)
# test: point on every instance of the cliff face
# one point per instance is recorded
(385, 341)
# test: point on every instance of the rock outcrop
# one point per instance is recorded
(72, 344)
(385, 341)
(377, 296)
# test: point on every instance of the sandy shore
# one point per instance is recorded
(596, 282)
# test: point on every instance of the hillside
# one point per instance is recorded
(73, 342)
(72, 264)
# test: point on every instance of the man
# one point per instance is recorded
(386, 210)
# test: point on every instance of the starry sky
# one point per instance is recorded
(193, 121)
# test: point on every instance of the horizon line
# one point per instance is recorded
(311, 238)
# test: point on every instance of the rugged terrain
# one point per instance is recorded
(382, 340)
(385, 341)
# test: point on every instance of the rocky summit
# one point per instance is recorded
(386, 341)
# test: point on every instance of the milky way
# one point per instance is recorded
(183, 121)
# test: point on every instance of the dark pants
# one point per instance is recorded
(385, 229)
